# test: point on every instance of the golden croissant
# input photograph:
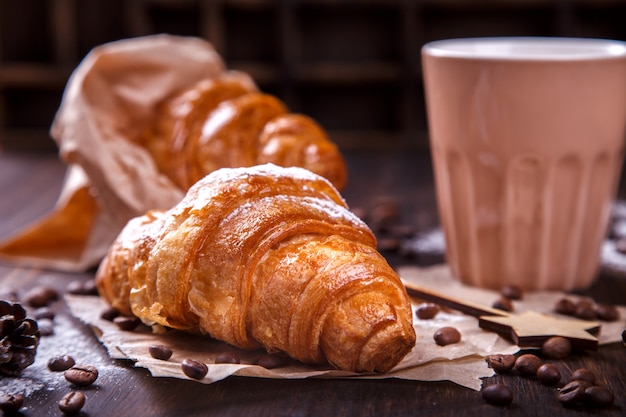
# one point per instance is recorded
(266, 257)
(226, 122)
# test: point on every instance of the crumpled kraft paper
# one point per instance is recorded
(462, 363)
(107, 102)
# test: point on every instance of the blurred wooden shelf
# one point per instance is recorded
(352, 65)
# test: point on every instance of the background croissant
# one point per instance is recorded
(224, 121)
(264, 257)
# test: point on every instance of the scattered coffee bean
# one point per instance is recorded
(556, 347)
(360, 212)
(61, 363)
(584, 374)
(79, 287)
(497, 394)
(11, 403)
(501, 363)
(194, 369)
(382, 215)
(573, 392)
(565, 306)
(40, 296)
(269, 361)
(75, 287)
(161, 352)
(109, 314)
(598, 396)
(427, 311)
(585, 310)
(127, 323)
(620, 245)
(512, 292)
(503, 304)
(402, 230)
(607, 312)
(227, 357)
(548, 374)
(44, 313)
(389, 244)
(81, 375)
(447, 336)
(72, 402)
(46, 327)
(90, 287)
(527, 364)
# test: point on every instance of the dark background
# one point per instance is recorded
(352, 65)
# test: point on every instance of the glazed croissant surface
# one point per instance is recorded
(226, 122)
(264, 257)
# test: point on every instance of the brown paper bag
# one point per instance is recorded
(107, 102)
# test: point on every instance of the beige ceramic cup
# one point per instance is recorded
(527, 138)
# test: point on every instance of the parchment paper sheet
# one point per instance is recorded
(461, 363)
(108, 101)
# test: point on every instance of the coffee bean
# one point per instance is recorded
(79, 287)
(624, 336)
(573, 392)
(60, 363)
(75, 287)
(497, 394)
(503, 304)
(556, 347)
(126, 323)
(72, 402)
(161, 352)
(598, 396)
(383, 215)
(194, 369)
(584, 374)
(447, 336)
(109, 314)
(585, 310)
(512, 292)
(81, 375)
(607, 312)
(227, 357)
(402, 230)
(548, 374)
(501, 363)
(90, 287)
(620, 245)
(565, 306)
(11, 403)
(389, 244)
(527, 364)
(269, 361)
(40, 296)
(46, 327)
(44, 313)
(427, 311)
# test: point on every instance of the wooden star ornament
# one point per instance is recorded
(529, 329)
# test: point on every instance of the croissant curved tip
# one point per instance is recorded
(385, 349)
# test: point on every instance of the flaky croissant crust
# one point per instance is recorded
(225, 121)
(264, 257)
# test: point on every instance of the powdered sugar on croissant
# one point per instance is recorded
(265, 257)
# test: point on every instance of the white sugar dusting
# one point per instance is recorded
(431, 242)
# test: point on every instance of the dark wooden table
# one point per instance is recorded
(29, 185)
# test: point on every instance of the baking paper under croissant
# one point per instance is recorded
(264, 257)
